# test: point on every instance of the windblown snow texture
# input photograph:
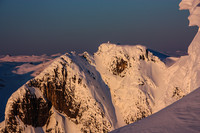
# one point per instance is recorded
(115, 86)
(180, 117)
(77, 88)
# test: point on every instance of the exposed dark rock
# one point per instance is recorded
(62, 88)
(86, 57)
(12, 124)
(153, 60)
(118, 66)
(142, 112)
(58, 93)
(30, 110)
(147, 53)
(142, 57)
(34, 111)
(177, 93)
(79, 80)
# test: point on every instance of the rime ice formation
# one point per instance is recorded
(182, 116)
(115, 86)
(194, 20)
(91, 93)
(186, 69)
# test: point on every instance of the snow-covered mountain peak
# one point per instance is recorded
(126, 49)
(96, 93)
(108, 52)
(117, 85)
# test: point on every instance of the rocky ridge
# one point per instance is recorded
(118, 85)
(73, 87)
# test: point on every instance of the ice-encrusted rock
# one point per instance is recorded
(116, 86)
(128, 71)
(184, 74)
(194, 20)
(183, 77)
(76, 89)
(190, 62)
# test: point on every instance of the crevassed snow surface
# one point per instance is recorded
(180, 117)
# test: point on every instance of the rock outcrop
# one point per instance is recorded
(118, 85)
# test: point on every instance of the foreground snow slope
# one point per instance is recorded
(180, 117)
(184, 75)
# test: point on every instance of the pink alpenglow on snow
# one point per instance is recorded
(114, 87)
(180, 117)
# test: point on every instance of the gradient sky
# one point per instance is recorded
(52, 26)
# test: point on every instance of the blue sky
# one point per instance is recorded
(50, 26)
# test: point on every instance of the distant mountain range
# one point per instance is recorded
(116, 86)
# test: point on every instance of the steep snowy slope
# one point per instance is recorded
(184, 75)
(133, 76)
(88, 91)
(75, 90)
(180, 117)
(118, 85)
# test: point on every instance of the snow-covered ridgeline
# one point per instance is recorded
(188, 67)
(117, 85)
(131, 73)
(75, 90)
(184, 75)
